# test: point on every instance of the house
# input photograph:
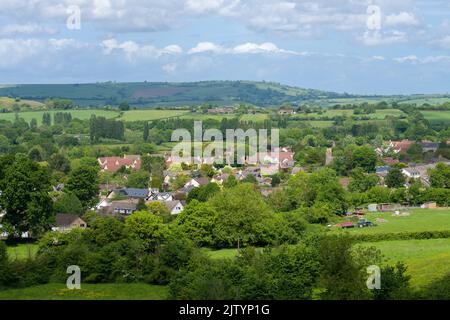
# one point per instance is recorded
(66, 222)
(395, 147)
(197, 182)
(220, 178)
(174, 207)
(382, 171)
(224, 110)
(390, 161)
(113, 164)
(429, 146)
(286, 111)
(372, 207)
(329, 156)
(122, 207)
(411, 173)
(133, 193)
(160, 196)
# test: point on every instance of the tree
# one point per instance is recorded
(440, 176)
(46, 119)
(146, 131)
(124, 106)
(241, 216)
(203, 193)
(395, 178)
(364, 157)
(196, 221)
(148, 228)
(25, 197)
(59, 162)
(68, 203)
(84, 183)
(138, 179)
(361, 181)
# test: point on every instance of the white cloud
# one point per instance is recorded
(402, 19)
(26, 29)
(170, 67)
(425, 60)
(244, 48)
(207, 47)
(443, 42)
(133, 50)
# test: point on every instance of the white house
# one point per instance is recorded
(174, 207)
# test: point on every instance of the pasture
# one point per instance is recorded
(438, 116)
(427, 260)
(82, 114)
(59, 291)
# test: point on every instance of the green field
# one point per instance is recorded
(79, 114)
(221, 254)
(202, 117)
(22, 251)
(427, 260)
(56, 291)
(259, 117)
(436, 115)
(418, 220)
(378, 115)
(142, 115)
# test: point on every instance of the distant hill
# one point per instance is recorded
(9, 104)
(170, 94)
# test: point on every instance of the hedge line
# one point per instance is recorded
(421, 235)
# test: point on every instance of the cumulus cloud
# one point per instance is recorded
(133, 50)
(402, 19)
(244, 48)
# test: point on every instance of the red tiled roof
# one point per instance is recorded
(112, 164)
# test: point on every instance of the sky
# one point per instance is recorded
(354, 46)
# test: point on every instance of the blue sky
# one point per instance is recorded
(355, 46)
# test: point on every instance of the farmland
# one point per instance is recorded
(8, 103)
(79, 114)
(439, 116)
(148, 115)
(59, 291)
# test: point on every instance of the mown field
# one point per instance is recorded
(59, 291)
(418, 220)
(79, 114)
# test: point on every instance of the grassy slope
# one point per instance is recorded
(7, 103)
(57, 291)
(427, 260)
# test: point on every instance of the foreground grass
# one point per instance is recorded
(427, 260)
(22, 251)
(57, 291)
(418, 220)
